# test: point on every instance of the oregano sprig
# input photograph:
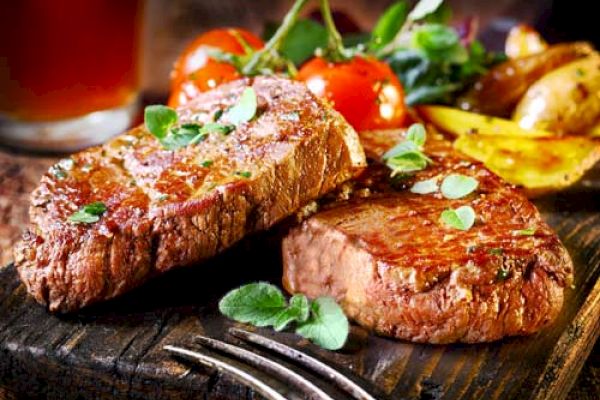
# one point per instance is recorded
(407, 156)
(262, 304)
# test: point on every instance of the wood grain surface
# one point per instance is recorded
(114, 350)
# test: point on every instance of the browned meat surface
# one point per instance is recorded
(165, 209)
(396, 269)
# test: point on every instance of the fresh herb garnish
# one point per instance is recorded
(461, 218)
(245, 174)
(207, 163)
(261, 304)
(456, 186)
(88, 214)
(162, 122)
(502, 274)
(425, 187)
(159, 119)
(218, 114)
(407, 156)
(525, 232)
(244, 110)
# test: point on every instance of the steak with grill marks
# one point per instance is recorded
(395, 268)
(167, 209)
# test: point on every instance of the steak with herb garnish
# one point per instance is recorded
(395, 267)
(113, 216)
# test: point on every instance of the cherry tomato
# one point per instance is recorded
(364, 90)
(195, 71)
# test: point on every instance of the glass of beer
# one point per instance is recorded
(68, 71)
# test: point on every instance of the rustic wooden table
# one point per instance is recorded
(20, 173)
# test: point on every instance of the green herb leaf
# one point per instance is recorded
(423, 9)
(159, 119)
(456, 186)
(88, 214)
(217, 128)
(406, 156)
(257, 303)
(298, 310)
(416, 134)
(388, 25)
(525, 232)
(462, 218)
(245, 174)
(327, 326)
(207, 163)
(407, 162)
(244, 110)
(425, 187)
(218, 114)
(439, 43)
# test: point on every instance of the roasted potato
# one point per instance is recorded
(539, 165)
(501, 88)
(459, 122)
(523, 41)
(565, 101)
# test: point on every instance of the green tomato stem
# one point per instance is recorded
(266, 54)
(335, 45)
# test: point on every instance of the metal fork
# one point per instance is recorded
(268, 365)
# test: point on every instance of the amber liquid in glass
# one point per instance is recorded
(65, 58)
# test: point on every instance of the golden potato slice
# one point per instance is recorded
(565, 101)
(539, 165)
(501, 88)
(458, 122)
(523, 41)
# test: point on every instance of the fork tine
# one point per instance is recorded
(265, 364)
(309, 362)
(256, 384)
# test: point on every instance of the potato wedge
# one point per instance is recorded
(458, 122)
(539, 165)
(565, 101)
(499, 90)
(523, 41)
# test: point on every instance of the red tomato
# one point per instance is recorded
(195, 72)
(364, 90)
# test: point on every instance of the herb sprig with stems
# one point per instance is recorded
(261, 304)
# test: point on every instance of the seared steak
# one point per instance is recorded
(170, 208)
(397, 269)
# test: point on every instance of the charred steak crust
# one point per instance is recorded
(165, 209)
(396, 269)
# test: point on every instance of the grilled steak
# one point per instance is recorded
(170, 208)
(395, 268)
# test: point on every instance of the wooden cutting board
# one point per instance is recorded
(115, 350)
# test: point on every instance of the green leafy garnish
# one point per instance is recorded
(301, 41)
(162, 122)
(425, 187)
(407, 156)
(416, 134)
(88, 214)
(388, 25)
(328, 326)
(298, 310)
(525, 232)
(245, 174)
(456, 186)
(159, 119)
(461, 218)
(423, 9)
(262, 304)
(257, 303)
(207, 163)
(244, 110)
